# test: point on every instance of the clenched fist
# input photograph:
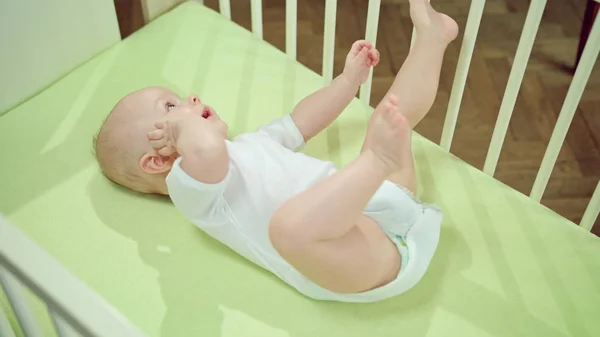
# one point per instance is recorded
(361, 58)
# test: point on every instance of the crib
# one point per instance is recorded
(82, 257)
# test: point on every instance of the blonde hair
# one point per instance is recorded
(113, 149)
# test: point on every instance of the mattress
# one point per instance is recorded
(506, 266)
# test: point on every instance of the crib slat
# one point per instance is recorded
(371, 36)
(5, 328)
(329, 40)
(63, 328)
(225, 8)
(462, 70)
(530, 29)
(291, 22)
(83, 308)
(582, 75)
(145, 12)
(16, 297)
(256, 9)
(592, 211)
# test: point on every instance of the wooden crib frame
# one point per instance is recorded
(77, 310)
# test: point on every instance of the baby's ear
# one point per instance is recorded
(153, 163)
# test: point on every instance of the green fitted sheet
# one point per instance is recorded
(506, 266)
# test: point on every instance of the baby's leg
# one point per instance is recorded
(404, 174)
(416, 83)
(323, 233)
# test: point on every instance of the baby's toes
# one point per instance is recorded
(394, 116)
(403, 126)
(393, 100)
(401, 119)
(389, 111)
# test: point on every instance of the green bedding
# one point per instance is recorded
(506, 266)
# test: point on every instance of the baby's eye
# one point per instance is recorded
(169, 106)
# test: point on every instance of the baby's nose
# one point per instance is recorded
(194, 99)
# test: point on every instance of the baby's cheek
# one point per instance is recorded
(222, 128)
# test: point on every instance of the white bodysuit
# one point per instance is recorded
(264, 172)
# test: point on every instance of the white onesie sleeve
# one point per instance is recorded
(200, 202)
(285, 132)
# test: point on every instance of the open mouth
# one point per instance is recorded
(208, 112)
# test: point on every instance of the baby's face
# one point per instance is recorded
(124, 150)
(151, 105)
(140, 111)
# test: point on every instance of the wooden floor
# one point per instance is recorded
(544, 88)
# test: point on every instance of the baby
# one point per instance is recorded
(356, 234)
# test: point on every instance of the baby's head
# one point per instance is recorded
(122, 147)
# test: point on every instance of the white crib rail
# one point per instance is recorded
(532, 23)
(582, 75)
(225, 8)
(5, 328)
(63, 328)
(371, 36)
(592, 211)
(73, 307)
(329, 40)
(256, 13)
(291, 18)
(17, 298)
(462, 70)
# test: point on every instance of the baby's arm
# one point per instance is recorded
(317, 111)
(203, 152)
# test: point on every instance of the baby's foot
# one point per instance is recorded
(388, 132)
(431, 24)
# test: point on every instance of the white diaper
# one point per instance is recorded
(415, 229)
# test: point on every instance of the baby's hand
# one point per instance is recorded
(359, 61)
(163, 138)
(182, 132)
